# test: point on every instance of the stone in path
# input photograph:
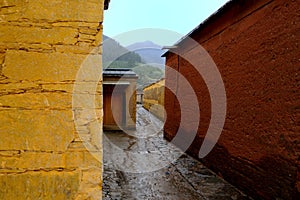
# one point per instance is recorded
(142, 165)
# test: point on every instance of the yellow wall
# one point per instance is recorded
(42, 46)
(154, 96)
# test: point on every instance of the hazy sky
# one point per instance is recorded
(180, 16)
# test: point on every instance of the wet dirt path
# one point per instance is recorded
(139, 165)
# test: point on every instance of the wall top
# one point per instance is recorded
(106, 4)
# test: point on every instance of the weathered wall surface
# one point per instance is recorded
(130, 104)
(42, 46)
(153, 98)
(131, 101)
(255, 45)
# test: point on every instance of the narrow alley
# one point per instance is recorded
(186, 178)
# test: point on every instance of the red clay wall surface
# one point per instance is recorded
(255, 45)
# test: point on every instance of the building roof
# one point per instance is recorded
(120, 72)
(116, 83)
(203, 24)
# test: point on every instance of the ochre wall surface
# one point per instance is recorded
(255, 45)
(131, 101)
(153, 98)
(42, 46)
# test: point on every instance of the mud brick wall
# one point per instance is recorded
(130, 101)
(153, 99)
(42, 46)
(255, 45)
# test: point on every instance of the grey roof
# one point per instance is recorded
(119, 73)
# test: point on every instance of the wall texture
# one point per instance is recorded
(42, 46)
(255, 45)
(153, 98)
(129, 104)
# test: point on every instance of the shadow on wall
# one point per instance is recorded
(273, 175)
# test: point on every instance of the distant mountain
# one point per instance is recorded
(117, 56)
(112, 49)
(150, 53)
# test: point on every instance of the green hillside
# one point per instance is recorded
(117, 56)
(147, 75)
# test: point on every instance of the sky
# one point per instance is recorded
(147, 19)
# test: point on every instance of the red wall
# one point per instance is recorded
(255, 45)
